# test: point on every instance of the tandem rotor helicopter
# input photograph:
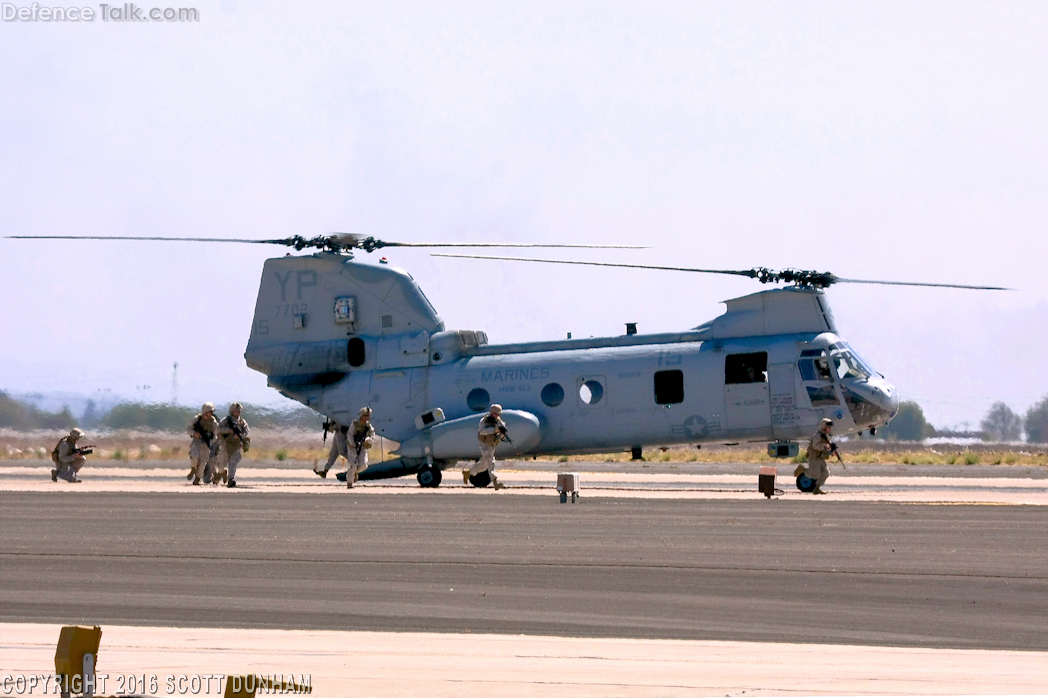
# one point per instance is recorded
(335, 333)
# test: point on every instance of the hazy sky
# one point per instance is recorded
(900, 141)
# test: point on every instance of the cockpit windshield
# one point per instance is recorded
(848, 364)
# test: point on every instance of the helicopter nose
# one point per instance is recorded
(890, 399)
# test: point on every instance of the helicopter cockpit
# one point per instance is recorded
(833, 372)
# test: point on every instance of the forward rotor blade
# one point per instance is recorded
(919, 283)
(337, 240)
(749, 272)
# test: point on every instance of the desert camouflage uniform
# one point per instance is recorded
(201, 452)
(358, 460)
(231, 448)
(338, 445)
(818, 450)
(489, 435)
(69, 460)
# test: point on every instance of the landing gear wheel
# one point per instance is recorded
(429, 476)
(481, 479)
(805, 483)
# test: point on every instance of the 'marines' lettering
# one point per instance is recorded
(504, 375)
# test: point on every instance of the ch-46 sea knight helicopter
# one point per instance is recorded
(335, 333)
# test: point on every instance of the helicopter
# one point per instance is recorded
(335, 333)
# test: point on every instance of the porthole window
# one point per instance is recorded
(478, 400)
(552, 394)
(355, 352)
(591, 392)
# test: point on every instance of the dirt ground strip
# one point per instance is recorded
(344, 664)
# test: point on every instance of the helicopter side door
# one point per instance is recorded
(746, 393)
(785, 417)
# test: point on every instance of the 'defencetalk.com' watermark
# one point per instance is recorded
(127, 12)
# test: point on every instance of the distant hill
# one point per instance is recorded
(23, 417)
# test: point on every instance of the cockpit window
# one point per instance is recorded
(814, 369)
(847, 366)
(864, 363)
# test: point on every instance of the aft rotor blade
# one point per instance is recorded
(749, 272)
(113, 237)
(505, 244)
(919, 283)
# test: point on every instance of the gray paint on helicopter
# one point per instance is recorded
(412, 364)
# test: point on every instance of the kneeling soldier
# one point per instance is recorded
(234, 442)
(203, 429)
(68, 458)
(819, 448)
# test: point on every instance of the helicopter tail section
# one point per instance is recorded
(320, 318)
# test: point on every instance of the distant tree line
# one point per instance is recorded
(1001, 423)
(20, 416)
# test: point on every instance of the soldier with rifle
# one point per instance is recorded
(362, 433)
(492, 431)
(203, 429)
(234, 441)
(68, 457)
(819, 447)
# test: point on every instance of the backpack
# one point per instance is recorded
(54, 453)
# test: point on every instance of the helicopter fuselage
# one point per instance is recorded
(337, 334)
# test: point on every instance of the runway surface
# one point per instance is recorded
(791, 570)
(859, 483)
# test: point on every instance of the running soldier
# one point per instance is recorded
(338, 445)
(203, 429)
(362, 433)
(819, 447)
(234, 441)
(492, 431)
(68, 458)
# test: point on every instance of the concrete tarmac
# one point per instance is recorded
(801, 570)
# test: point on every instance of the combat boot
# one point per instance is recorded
(465, 477)
(196, 481)
(231, 483)
(498, 485)
(321, 473)
(54, 475)
(192, 472)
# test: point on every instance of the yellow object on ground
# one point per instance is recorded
(73, 643)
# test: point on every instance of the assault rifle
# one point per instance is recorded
(85, 450)
(834, 451)
(358, 441)
(504, 433)
(328, 426)
(203, 435)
